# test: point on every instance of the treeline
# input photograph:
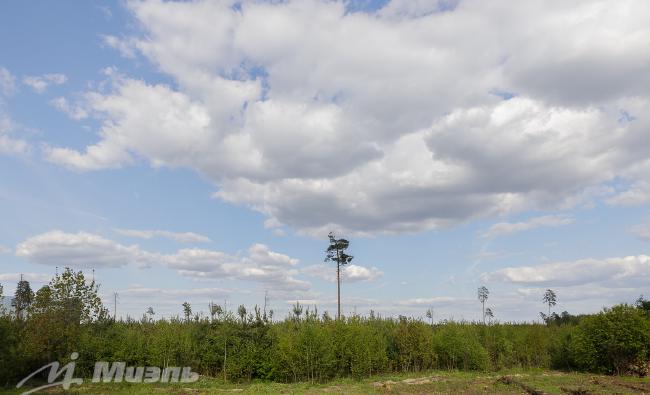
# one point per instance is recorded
(67, 317)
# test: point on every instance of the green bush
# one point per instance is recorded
(612, 340)
(458, 347)
(316, 349)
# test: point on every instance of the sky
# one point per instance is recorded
(202, 150)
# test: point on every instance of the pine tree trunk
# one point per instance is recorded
(338, 289)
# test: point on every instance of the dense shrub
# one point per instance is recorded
(316, 349)
(414, 346)
(457, 347)
(612, 341)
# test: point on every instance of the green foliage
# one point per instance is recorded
(23, 298)
(336, 251)
(414, 343)
(641, 304)
(11, 362)
(612, 341)
(458, 347)
(67, 316)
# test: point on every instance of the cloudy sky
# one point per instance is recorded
(203, 150)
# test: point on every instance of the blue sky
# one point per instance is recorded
(202, 151)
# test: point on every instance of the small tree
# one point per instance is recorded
(23, 298)
(187, 311)
(79, 300)
(241, 311)
(550, 299)
(641, 304)
(336, 253)
(430, 314)
(483, 294)
(297, 310)
(215, 309)
(489, 314)
(150, 313)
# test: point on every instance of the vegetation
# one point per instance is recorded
(439, 382)
(483, 295)
(247, 345)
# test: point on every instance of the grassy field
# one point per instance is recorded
(538, 382)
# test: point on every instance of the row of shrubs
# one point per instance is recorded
(313, 349)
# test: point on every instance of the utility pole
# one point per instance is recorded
(338, 284)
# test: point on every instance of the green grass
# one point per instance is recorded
(511, 382)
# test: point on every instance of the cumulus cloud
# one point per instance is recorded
(80, 250)
(180, 237)
(40, 83)
(260, 264)
(5, 250)
(383, 122)
(349, 273)
(506, 228)
(625, 271)
(85, 250)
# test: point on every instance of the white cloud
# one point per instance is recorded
(180, 237)
(507, 228)
(636, 195)
(382, 123)
(124, 47)
(73, 111)
(144, 292)
(582, 293)
(5, 250)
(8, 145)
(435, 301)
(40, 83)
(625, 271)
(85, 250)
(7, 82)
(80, 250)
(261, 265)
(349, 273)
(642, 231)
